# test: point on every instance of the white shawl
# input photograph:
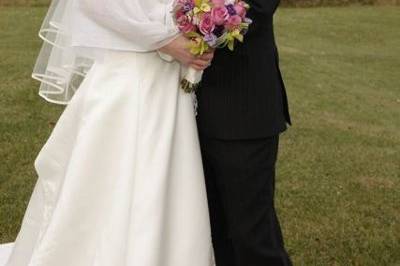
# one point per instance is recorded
(77, 32)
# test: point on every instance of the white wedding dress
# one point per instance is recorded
(120, 178)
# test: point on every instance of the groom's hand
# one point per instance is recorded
(179, 49)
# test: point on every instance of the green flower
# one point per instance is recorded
(231, 37)
(201, 6)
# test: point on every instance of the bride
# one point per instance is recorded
(120, 178)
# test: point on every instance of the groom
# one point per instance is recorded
(242, 110)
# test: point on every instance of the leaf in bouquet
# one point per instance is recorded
(237, 35)
(231, 45)
(230, 41)
(244, 25)
(221, 41)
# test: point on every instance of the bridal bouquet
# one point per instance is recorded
(210, 24)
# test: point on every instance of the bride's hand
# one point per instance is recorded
(178, 49)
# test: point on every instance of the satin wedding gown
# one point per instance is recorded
(120, 178)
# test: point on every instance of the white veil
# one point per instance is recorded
(71, 26)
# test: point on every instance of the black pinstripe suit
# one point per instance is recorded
(242, 94)
(242, 110)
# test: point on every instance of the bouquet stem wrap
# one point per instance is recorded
(192, 79)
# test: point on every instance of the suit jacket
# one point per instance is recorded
(242, 94)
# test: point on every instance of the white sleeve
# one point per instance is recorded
(146, 23)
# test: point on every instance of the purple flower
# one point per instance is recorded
(231, 10)
(188, 6)
(185, 5)
(210, 39)
(247, 20)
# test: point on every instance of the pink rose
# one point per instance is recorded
(184, 24)
(219, 14)
(233, 21)
(218, 2)
(206, 25)
(240, 10)
(179, 13)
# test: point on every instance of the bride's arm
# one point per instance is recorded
(145, 23)
(141, 21)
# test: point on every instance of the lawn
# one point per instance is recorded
(339, 171)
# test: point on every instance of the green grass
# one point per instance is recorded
(339, 170)
(25, 120)
(25, 3)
